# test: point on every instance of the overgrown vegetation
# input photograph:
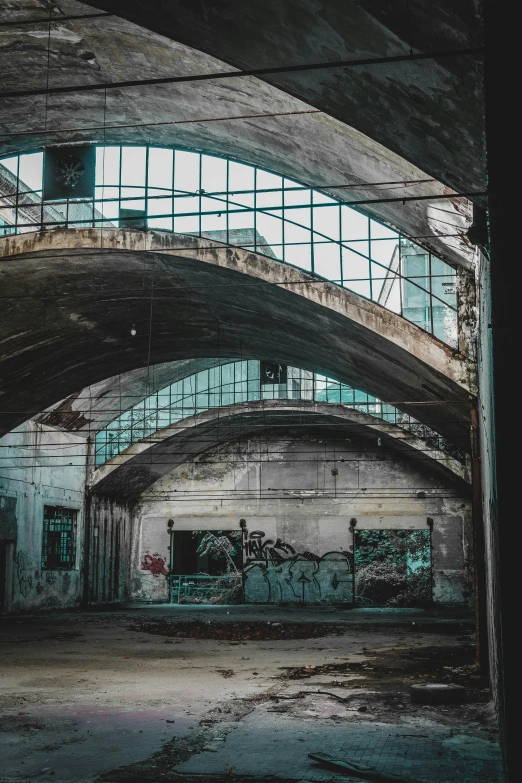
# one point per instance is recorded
(225, 548)
(393, 567)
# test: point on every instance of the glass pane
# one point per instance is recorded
(215, 226)
(302, 196)
(133, 160)
(361, 287)
(265, 180)
(322, 198)
(186, 225)
(161, 162)
(184, 205)
(416, 303)
(353, 224)
(212, 205)
(326, 221)
(378, 276)
(327, 260)
(303, 217)
(213, 174)
(378, 231)
(355, 266)
(445, 323)
(239, 200)
(31, 170)
(299, 255)
(384, 251)
(240, 177)
(390, 294)
(11, 164)
(443, 282)
(186, 171)
(269, 227)
(361, 247)
(297, 234)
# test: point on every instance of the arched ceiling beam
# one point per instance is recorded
(318, 149)
(71, 298)
(91, 409)
(133, 471)
(430, 112)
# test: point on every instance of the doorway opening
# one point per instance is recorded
(393, 568)
(206, 567)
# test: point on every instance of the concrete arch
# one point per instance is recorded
(130, 473)
(91, 409)
(429, 100)
(320, 148)
(191, 298)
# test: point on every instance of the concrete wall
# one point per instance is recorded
(301, 493)
(40, 466)
(489, 478)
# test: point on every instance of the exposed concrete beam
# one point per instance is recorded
(314, 148)
(431, 113)
(138, 467)
(72, 296)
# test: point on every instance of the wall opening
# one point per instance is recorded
(206, 567)
(58, 538)
(393, 568)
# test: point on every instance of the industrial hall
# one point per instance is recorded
(257, 455)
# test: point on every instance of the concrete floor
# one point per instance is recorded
(95, 696)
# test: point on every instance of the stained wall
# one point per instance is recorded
(301, 493)
(40, 466)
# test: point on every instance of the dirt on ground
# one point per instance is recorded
(239, 632)
(133, 697)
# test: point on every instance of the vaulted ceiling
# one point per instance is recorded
(403, 122)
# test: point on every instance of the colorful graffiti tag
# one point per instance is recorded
(155, 564)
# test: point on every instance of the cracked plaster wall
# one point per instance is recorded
(293, 497)
(40, 474)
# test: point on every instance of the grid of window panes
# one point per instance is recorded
(234, 383)
(59, 528)
(227, 201)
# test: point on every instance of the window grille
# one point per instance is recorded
(58, 542)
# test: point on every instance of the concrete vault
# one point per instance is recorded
(188, 298)
(130, 473)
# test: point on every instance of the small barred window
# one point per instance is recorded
(59, 534)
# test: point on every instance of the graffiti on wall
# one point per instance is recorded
(275, 573)
(257, 547)
(155, 564)
(21, 573)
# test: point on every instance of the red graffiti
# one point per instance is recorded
(155, 564)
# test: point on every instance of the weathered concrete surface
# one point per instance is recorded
(95, 406)
(88, 287)
(109, 556)
(130, 473)
(316, 148)
(302, 488)
(84, 695)
(430, 112)
(41, 466)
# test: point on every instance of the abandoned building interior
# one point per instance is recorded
(255, 354)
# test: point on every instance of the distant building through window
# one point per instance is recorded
(59, 533)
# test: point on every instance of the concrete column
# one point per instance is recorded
(498, 373)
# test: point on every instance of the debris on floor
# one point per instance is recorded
(197, 629)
